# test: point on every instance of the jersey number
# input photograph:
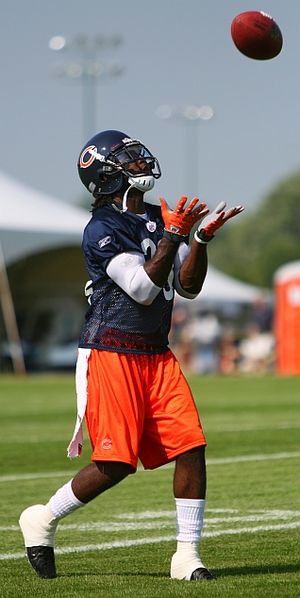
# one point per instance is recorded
(149, 249)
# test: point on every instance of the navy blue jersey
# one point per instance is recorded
(114, 321)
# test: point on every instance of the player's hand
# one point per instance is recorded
(211, 223)
(180, 221)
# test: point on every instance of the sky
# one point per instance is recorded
(177, 53)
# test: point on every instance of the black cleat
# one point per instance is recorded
(202, 574)
(42, 560)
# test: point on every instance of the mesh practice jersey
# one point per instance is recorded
(114, 321)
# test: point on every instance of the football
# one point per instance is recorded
(256, 35)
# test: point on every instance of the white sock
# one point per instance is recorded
(189, 519)
(189, 522)
(64, 501)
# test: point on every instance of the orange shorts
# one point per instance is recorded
(139, 407)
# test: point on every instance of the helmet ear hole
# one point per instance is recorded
(108, 184)
(104, 169)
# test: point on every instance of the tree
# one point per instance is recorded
(254, 247)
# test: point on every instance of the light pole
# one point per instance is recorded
(190, 116)
(87, 69)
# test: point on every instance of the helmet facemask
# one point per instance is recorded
(139, 166)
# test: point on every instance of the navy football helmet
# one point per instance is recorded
(111, 158)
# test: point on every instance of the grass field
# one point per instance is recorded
(121, 543)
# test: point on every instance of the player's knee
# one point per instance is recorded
(194, 455)
(114, 471)
(193, 461)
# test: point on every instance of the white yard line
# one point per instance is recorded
(36, 476)
(255, 427)
(221, 461)
(208, 428)
(107, 527)
(266, 513)
(262, 457)
(252, 530)
(151, 520)
(157, 540)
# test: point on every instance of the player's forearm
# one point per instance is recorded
(193, 271)
(159, 266)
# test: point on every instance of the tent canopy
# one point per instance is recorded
(221, 288)
(32, 221)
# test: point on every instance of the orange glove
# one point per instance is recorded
(180, 221)
(215, 220)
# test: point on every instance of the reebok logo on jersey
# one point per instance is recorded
(104, 241)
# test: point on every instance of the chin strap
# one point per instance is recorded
(142, 183)
(124, 202)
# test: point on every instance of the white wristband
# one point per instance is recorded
(198, 239)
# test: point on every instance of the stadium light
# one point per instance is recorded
(87, 69)
(189, 116)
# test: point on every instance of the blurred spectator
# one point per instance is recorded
(179, 320)
(257, 351)
(229, 353)
(205, 342)
(262, 314)
(204, 332)
(183, 350)
(179, 338)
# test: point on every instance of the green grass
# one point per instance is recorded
(252, 531)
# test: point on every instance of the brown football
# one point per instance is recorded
(256, 35)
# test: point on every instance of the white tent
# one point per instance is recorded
(220, 288)
(32, 221)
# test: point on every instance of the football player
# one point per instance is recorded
(130, 389)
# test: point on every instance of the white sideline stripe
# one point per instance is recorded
(36, 476)
(208, 428)
(157, 540)
(144, 524)
(164, 514)
(221, 461)
(252, 427)
(141, 516)
(262, 457)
